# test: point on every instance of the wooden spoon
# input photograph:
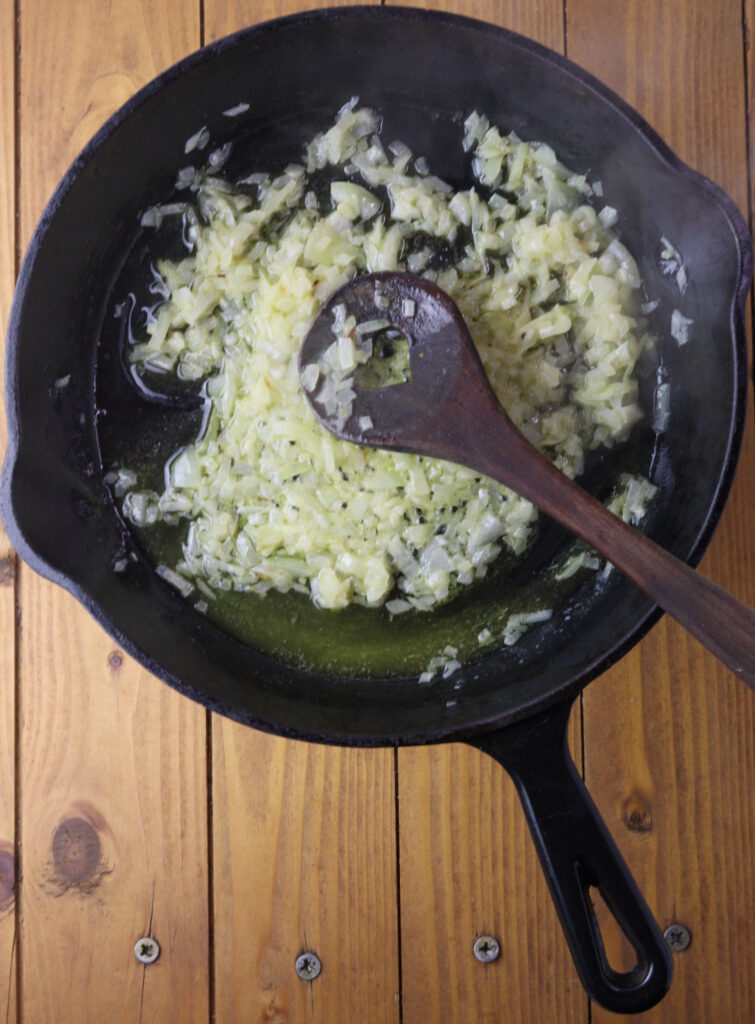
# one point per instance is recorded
(447, 409)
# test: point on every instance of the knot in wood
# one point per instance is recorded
(637, 814)
(76, 850)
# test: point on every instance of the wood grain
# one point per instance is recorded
(468, 868)
(7, 557)
(304, 860)
(542, 21)
(112, 763)
(222, 17)
(304, 841)
(677, 787)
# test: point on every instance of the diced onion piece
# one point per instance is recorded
(571, 566)
(661, 406)
(219, 156)
(680, 326)
(183, 586)
(197, 141)
(153, 217)
(372, 326)
(530, 618)
(310, 376)
(240, 108)
(668, 251)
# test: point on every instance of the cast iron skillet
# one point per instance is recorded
(67, 403)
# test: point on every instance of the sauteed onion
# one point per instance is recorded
(271, 500)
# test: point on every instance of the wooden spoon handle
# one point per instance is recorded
(720, 622)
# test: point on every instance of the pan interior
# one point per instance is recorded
(300, 670)
(142, 434)
(142, 431)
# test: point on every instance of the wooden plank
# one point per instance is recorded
(7, 557)
(543, 22)
(304, 840)
(677, 787)
(461, 828)
(113, 805)
(304, 860)
(221, 17)
(469, 868)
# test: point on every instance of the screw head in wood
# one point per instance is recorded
(486, 949)
(308, 966)
(678, 937)
(147, 950)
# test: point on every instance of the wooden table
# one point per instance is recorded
(128, 811)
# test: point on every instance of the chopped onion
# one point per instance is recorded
(661, 406)
(240, 108)
(197, 141)
(571, 566)
(219, 156)
(371, 326)
(271, 500)
(153, 217)
(517, 624)
(680, 326)
(310, 375)
(183, 586)
(530, 618)
(450, 667)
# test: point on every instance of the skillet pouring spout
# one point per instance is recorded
(447, 409)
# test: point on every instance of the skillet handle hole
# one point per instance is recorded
(620, 954)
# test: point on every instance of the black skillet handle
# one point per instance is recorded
(577, 852)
